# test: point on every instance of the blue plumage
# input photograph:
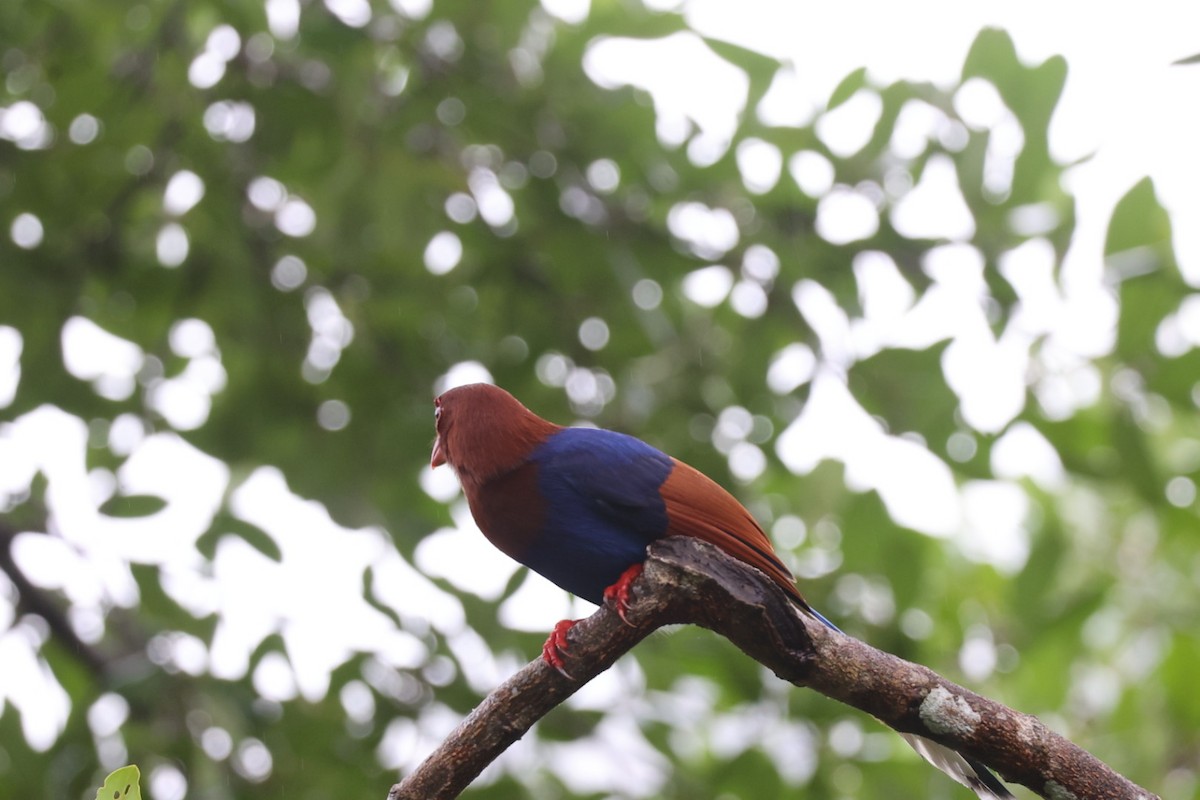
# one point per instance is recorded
(602, 507)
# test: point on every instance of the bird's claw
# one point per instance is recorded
(620, 594)
(556, 647)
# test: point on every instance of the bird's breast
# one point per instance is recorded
(509, 510)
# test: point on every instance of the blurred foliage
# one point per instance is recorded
(391, 127)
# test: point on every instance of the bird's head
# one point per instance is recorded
(483, 431)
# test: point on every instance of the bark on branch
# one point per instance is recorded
(686, 580)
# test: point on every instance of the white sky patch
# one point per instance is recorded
(571, 12)
(690, 84)
(621, 686)
(1124, 104)
(760, 263)
(266, 194)
(708, 286)
(93, 354)
(412, 595)
(228, 121)
(604, 175)
(184, 190)
(443, 253)
(461, 374)
(886, 299)
(785, 104)
(988, 376)
(711, 232)
(977, 658)
(27, 231)
(935, 208)
(172, 245)
(917, 124)
(354, 13)
(760, 164)
(295, 218)
(207, 68)
(821, 311)
(535, 606)
(185, 400)
(1024, 452)
(440, 484)
(846, 129)
(615, 757)
(812, 172)
(885, 295)
(1128, 105)
(332, 333)
(748, 299)
(495, 204)
(1029, 267)
(275, 679)
(464, 556)
(916, 487)
(11, 345)
(483, 671)
(979, 104)
(306, 596)
(193, 484)
(31, 688)
(461, 207)
(25, 124)
(791, 368)
(1179, 331)
(89, 554)
(995, 532)
(846, 215)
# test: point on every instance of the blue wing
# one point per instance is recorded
(602, 508)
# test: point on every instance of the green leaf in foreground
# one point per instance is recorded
(132, 505)
(121, 784)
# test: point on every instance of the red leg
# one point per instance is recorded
(556, 646)
(620, 594)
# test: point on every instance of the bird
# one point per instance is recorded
(580, 505)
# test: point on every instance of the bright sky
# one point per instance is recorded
(1123, 101)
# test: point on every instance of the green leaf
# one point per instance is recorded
(121, 784)
(760, 69)
(1138, 220)
(1032, 93)
(133, 505)
(1140, 254)
(847, 87)
(1136, 457)
(229, 525)
(1146, 299)
(888, 386)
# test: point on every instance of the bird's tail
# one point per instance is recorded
(967, 771)
(821, 617)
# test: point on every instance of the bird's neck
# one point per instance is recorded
(498, 446)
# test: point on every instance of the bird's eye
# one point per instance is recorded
(437, 410)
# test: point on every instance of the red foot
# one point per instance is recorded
(620, 595)
(556, 647)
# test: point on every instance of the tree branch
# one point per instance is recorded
(687, 580)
